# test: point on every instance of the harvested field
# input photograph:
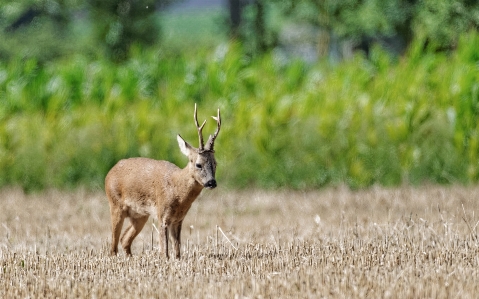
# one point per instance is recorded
(333, 243)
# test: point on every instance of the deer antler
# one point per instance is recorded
(200, 129)
(211, 140)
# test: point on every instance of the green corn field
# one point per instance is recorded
(360, 122)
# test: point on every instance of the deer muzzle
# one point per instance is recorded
(211, 184)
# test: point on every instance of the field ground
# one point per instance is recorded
(332, 243)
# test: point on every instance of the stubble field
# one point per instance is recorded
(332, 243)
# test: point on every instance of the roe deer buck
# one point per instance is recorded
(139, 187)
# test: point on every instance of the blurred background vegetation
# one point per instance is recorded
(312, 93)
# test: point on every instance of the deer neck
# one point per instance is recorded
(186, 185)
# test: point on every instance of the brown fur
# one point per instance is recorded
(139, 187)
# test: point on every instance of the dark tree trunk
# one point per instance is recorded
(260, 26)
(235, 16)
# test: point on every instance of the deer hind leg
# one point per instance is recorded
(135, 227)
(117, 218)
(175, 230)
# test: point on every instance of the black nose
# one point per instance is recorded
(211, 184)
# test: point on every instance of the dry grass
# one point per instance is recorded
(334, 243)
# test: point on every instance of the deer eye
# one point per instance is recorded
(199, 166)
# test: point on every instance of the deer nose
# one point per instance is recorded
(211, 184)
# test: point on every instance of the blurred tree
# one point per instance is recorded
(120, 23)
(36, 29)
(393, 23)
(440, 23)
(250, 24)
(46, 29)
(437, 22)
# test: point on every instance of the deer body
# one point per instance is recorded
(140, 187)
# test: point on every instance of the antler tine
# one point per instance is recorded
(211, 139)
(200, 129)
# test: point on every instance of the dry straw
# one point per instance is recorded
(334, 243)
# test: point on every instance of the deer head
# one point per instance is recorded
(201, 160)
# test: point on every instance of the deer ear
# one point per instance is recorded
(184, 146)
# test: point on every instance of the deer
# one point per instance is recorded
(141, 187)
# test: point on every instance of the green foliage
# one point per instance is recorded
(441, 22)
(437, 22)
(39, 29)
(259, 26)
(353, 18)
(285, 123)
(45, 30)
(120, 24)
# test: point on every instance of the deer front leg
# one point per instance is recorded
(164, 239)
(175, 230)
